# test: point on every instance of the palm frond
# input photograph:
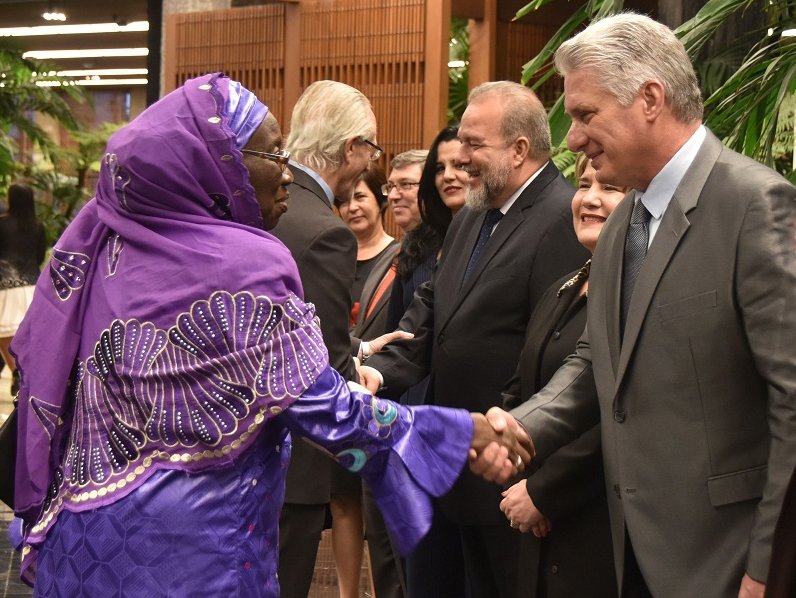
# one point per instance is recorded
(697, 31)
(746, 109)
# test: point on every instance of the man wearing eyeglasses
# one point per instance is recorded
(401, 188)
(512, 240)
(331, 143)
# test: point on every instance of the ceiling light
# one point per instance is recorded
(54, 12)
(56, 15)
(94, 82)
(95, 53)
(98, 72)
(73, 29)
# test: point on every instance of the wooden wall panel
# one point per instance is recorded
(519, 42)
(247, 43)
(377, 46)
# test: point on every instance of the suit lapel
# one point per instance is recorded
(612, 239)
(508, 224)
(673, 228)
(504, 229)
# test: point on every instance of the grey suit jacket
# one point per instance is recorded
(469, 335)
(325, 252)
(698, 402)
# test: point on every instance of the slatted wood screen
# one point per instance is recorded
(377, 46)
(247, 43)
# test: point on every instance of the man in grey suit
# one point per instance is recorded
(512, 239)
(688, 359)
(332, 141)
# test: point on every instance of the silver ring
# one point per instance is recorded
(518, 464)
(511, 523)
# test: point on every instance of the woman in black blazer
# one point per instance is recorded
(363, 213)
(562, 509)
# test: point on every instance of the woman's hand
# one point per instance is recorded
(522, 513)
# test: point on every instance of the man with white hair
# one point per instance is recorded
(688, 359)
(332, 141)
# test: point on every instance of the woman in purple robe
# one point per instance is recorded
(167, 360)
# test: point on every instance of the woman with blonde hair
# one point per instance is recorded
(562, 508)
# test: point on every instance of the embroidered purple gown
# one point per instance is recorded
(167, 361)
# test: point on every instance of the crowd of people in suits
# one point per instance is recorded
(634, 332)
(677, 402)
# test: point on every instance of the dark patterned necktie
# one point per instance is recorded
(493, 216)
(638, 235)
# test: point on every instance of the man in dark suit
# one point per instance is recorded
(332, 141)
(688, 359)
(510, 242)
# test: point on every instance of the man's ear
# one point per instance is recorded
(349, 148)
(520, 149)
(653, 96)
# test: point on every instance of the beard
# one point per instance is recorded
(493, 181)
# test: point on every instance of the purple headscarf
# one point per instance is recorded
(245, 112)
(168, 327)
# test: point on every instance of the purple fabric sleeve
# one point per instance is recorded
(406, 454)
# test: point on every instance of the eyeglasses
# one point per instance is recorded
(377, 150)
(281, 157)
(401, 186)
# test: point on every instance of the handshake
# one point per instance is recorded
(501, 448)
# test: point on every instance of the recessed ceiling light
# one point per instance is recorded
(88, 53)
(94, 82)
(54, 12)
(99, 72)
(55, 15)
(73, 29)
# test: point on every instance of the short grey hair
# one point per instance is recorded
(412, 156)
(523, 114)
(326, 115)
(627, 50)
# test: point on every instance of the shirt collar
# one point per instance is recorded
(510, 201)
(661, 189)
(318, 179)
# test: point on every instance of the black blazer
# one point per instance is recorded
(325, 251)
(474, 332)
(366, 328)
(576, 559)
(781, 581)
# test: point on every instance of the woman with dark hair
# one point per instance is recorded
(22, 247)
(440, 196)
(363, 213)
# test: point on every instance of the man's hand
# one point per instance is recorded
(500, 448)
(522, 513)
(751, 588)
(378, 343)
(369, 378)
